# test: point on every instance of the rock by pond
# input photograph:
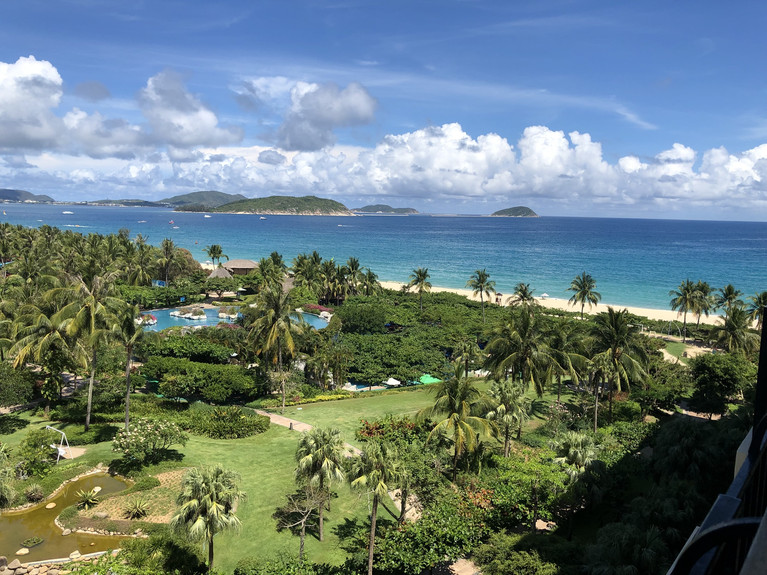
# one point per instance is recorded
(38, 521)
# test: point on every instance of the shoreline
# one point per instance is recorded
(564, 305)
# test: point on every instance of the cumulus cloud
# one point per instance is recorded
(29, 92)
(272, 157)
(257, 93)
(179, 118)
(318, 109)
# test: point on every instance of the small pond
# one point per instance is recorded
(165, 320)
(37, 521)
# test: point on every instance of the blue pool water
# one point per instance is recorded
(165, 320)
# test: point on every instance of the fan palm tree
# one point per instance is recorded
(419, 279)
(460, 404)
(735, 334)
(617, 340)
(686, 298)
(271, 333)
(511, 411)
(756, 307)
(320, 457)
(207, 501)
(215, 253)
(584, 291)
(374, 471)
(480, 283)
(576, 452)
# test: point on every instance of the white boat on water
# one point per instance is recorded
(69, 213)
(206, 216)
(262, 218)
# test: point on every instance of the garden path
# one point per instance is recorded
(296, 425)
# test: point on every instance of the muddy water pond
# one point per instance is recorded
(37, 521)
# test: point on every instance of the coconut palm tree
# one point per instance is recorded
(271, 333)
(565, 339)
(419, 279)
(728, 297)
(215, 253)
(207, 501)
(617, 340)
(168, 259)
(320, 457)
(460, 405)
(511, 411)
(756, 307)
(734, 334)
(584, 291)
(370, 284)
(686, 298)
(374, 471)
(704, 303)
(522, 296)
(480, 283)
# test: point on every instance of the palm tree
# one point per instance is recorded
(419, 279)
(207, 503)
(370, 284)
(480, 283)
(583, 288)
(735, 334)
(616, 339)
(520, 349)
(685, 298)
(374, 471)
(576, 452)
(168, 259)
(272, 331)
(461, 406)
(320, 456)
(704, 302)
(215, 253)
(566, 342)
(511, 411)
(522, 296)
(728, 297)
(756, 307)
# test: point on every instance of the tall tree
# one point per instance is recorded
(512, 409)
(207, 501)
(758, 302)
(735, 334)
(584, 291)
(370, 284)
(419, 280)
(685, 299)
(480, 283)
(169, 258)
(320, 457)
(522, 297)
(704, 302)
(728, 297)
(566, 341)
(215, 253)
(459, 407)
(374, 471)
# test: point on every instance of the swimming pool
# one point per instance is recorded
(165, 320)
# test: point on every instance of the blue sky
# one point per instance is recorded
(642, 109)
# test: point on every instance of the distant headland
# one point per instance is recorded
(516, 212)
(384, 209)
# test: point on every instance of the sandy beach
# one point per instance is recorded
(563, 304)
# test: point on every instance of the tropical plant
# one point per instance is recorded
(459, 407)
(374, 471)
(758, 302)
(480, 283)
(511, 411)
(148, 440)
(728, 297)
(522, 296)
(686, 298)
(584, 291)
(320, 456)
(419, 280)
(735, 334)
(87, 499)
(207, 504)
(137, 507)
(215, 253)
(576, 452)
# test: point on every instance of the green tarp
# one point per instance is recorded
(426, 378)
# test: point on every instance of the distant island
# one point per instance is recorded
(129, 203)
(384, 209)
(8, 195)
(204, 200)
(516, 212)
(287, 205)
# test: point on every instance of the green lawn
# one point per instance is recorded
(677, 349)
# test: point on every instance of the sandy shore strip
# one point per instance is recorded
(563, 304)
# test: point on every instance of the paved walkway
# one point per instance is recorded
(300, 426)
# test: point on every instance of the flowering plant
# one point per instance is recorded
(146, 440)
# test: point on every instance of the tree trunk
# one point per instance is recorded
(455, 462)
(482, 301)
(559, 388)
(90, 392)
(210, 553)
(303, 536)
(684, 328)
(507, 441)
(403, 504)
(610, 402)
(373, 516)
(282, 375)
(129, 350)
(321, 511)
(596, 401)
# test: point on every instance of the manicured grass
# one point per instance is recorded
(677, 349)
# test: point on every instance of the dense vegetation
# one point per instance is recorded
(286, 205)
(528, 454)
(384, 209)
(516, 212)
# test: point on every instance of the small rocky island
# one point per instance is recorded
(516, 212)
(384, 209)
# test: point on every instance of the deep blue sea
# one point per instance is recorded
(635, 262)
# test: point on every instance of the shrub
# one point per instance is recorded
(226, 422)
(136, 508)
(146, 440)
(188, 346)
(32, 541)
(98, 433)
(145, 483)
(34, 493)
(36, 453)
(87, 499)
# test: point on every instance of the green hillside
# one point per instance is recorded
(516, 212)
(129, 203)
(207, 199)
(384, 209)
(7, 195)
(306, 205)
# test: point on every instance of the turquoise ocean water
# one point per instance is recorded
(635, 262)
